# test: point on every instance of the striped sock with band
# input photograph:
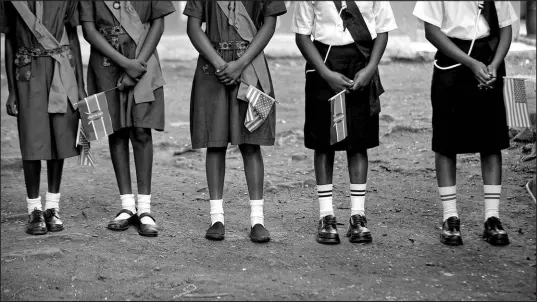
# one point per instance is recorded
(325, 200)
(492, 200)
(358, 199)
(448, 195)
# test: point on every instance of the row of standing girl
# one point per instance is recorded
(342, 42)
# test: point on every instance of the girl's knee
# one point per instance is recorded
(141, 134)
(248, 149)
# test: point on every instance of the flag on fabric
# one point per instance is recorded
(84, 158)
(516, 104)
(95, 116)
(259, 107)
(338, 130)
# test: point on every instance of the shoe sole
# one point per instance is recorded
(118, 229)
(498, 240)
(260, 240)
(50, 228)
(37, 233)
(215, 237)
(361, 239)
(148, 234)
(451, 241)
(333, 240)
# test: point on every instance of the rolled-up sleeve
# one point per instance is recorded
(303, 18)
(430, 11)
(384, 18)
(506, 13)
(195, 9)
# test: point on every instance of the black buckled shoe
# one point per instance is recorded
(358, 231)
(327, 231)
(217, 231)
(148, 230)
(494, 232)
(451, 231)
(53, 221)
(36, 223)
(121, 224)
(259, 234)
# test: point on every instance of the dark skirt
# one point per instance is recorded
(43, 135)
(362, 127)
(466, 119)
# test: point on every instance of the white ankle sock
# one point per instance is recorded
(52, 201)
(325, 200)
(33, 204)
(127, 203)
(492, 200)
(256, 212)
(358, 199)
(144, 206)
(448, 195)
(217, 210)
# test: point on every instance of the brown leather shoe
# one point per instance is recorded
(494, 232)
(217, 231)
(36, 223)
(53, 221)
(121, 224)
(358, 231)
(148, 230)
(451, 231)
(327, 230)
(259, 234)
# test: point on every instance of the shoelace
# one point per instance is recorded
(37, 216)
(495, 222)
(454, 224)
(359, 220)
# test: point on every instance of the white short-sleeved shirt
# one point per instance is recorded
(457, 18)
(321, 20)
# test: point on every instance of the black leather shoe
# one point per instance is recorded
(451, 231)
(327, 231)
(358, 231)
(217, 231)
(148, 230)
(259, 234)
(36, 223)
(53, 221)
(121, 224)
(494, 232)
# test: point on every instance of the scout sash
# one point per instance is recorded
(354, 22)
(257, 70)
(130, 21)
(63, 86)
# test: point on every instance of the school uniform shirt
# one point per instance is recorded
(103, 74)
(216, 114)
(321, 20)
(42, 136)
(457, 18)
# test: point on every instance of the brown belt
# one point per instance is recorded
(24, 55)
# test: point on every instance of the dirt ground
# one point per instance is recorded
(406, 261)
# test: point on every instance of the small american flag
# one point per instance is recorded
(516, 104)
(85, 158)
(259, 107)
(338, 131)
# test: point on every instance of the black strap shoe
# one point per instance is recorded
(494, 232)
(327, 231)
(53, 221)
(148, 230)
(358, 231)
(121, 224)
(36, 223)
(259, 234)
(451, 231)
(217, 231)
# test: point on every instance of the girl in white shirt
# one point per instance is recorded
(354, 34)
(467, 99)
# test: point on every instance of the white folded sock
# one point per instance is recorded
(34, 204)
(52, 201)
(256, 212)
(217, 210)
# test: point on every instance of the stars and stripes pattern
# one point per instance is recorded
(84, 158)
(516, 104)
(259, 107)
(338, 132)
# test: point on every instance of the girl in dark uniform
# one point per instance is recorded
(41, 96)
(124, 54)
(231, 48)
(472, 38)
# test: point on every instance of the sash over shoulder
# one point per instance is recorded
(64, 86)
(257, 70)
(130, 21)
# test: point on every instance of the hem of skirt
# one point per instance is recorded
(143, 125)
(41, 157)
(225, 143)
(468, 151)
(339, 148)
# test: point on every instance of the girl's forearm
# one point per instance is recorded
(201, 42)
(151, 41)
(310, 53)
(379, 46)
(75, 47)
(10, 64)
(98, 42)
(434, 35)
(503, 45)
(260, 41)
